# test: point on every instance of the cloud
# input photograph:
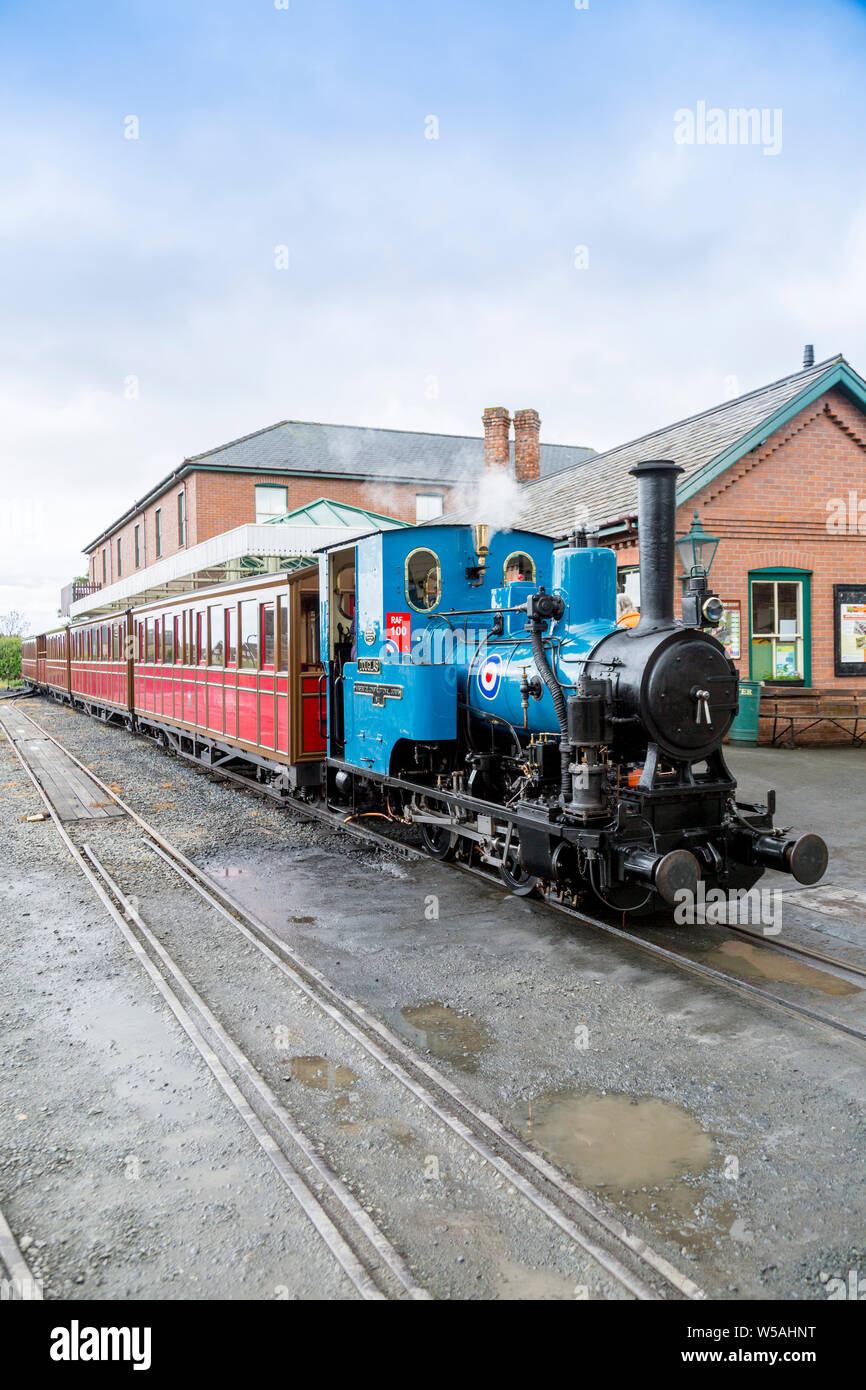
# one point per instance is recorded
(410, 260)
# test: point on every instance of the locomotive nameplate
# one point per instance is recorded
(369, 666)
(379, 692)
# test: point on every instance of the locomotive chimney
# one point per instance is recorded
(657, 517)
(496, 426)
(527, 448)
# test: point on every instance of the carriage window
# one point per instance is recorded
(250, 634)
(232, 636)
(217, 636)
(201, 639)
(179, 633)
(168, 640)
(518, 566)
(268, 635)
(149, 642)
(284, 633)
(423, 580)
(309, 630)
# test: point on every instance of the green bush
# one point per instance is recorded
(10, 659)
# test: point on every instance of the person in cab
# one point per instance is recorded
(626, 613)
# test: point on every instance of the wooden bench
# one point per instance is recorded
(793, 715)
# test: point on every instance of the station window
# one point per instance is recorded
(518, 566)
(217, 635)
(104, 565)
(231, 636)
(158, 520)
(428, 505)
(137, 547)
(268, 636)
(181, 518)
(119, 559)
(250, 634)
(780, 636)
(423, 580)
(272, 501)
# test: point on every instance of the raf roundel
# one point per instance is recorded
(489, 676)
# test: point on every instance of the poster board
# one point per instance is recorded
(849, 629)
(729, 630)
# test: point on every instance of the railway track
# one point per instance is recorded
(21, 1284)
(374, 1266)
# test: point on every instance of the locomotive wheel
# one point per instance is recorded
(438, 840)
(515, 877)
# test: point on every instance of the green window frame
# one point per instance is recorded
(782, 574)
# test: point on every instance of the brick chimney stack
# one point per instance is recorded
(496, 427)
(527, 447)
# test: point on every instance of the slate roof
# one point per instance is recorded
(351, 451)
(602, 483)
(360, 451)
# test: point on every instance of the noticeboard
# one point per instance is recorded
(849, 629)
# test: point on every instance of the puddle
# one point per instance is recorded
(452, 1036)
(322, 1074)
(753, 963)
(616, 1140)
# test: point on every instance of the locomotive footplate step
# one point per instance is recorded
(73, 794)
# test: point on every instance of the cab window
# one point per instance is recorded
(518, 566)
(423, 580)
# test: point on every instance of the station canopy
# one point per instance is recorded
(281, 544)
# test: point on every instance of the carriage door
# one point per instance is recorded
(342, 643)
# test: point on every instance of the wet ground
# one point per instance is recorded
(727, 1134)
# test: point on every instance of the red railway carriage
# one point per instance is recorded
(29, 660)
(57, 660)
(236, 667)
(100, 662)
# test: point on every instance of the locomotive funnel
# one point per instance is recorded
(657, 513)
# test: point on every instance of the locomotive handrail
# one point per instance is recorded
(323, 723)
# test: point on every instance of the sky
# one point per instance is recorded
(215, 216)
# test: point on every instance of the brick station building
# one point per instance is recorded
(779, 476)
(399, 473)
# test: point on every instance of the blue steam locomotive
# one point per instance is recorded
(480, 690)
